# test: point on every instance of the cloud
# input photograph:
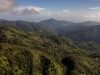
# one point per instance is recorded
(9, 10)
(60, 13)
(94, 16)
(6, 5)
(33, 13)
(9, 7)
(94, 8)
(64, 14)
(66, 11)
(26, 10)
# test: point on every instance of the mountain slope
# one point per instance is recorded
(53, 24)
(23, 25)
(79, 31)
(82, 33)
(38, 53)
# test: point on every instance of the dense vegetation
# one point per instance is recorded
(84, 31)
(39, 53)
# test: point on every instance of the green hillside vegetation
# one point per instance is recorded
(38, 53)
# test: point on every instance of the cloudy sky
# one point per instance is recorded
(36, 10)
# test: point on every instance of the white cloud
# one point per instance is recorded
(66, 11)
(94, 8)
(59, 14)
(6, 5)
(26, 10)
(9, 7)
(94, 16)
(64, 14)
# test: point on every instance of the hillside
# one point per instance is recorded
(77, 31)
(82, 33)
(36, 53)
(54, 24)
(23, 25)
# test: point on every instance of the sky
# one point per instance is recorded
(37, 10)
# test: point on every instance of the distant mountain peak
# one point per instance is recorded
(50, 20)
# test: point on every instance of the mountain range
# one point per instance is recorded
(84, 31)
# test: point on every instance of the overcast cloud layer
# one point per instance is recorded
(9, 10)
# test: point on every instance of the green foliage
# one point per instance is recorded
(37, 53)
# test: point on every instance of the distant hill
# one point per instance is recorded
(23, 25)
(89, 23)
(55, 24)
(82, 33)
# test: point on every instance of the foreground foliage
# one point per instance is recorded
(37, 53)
